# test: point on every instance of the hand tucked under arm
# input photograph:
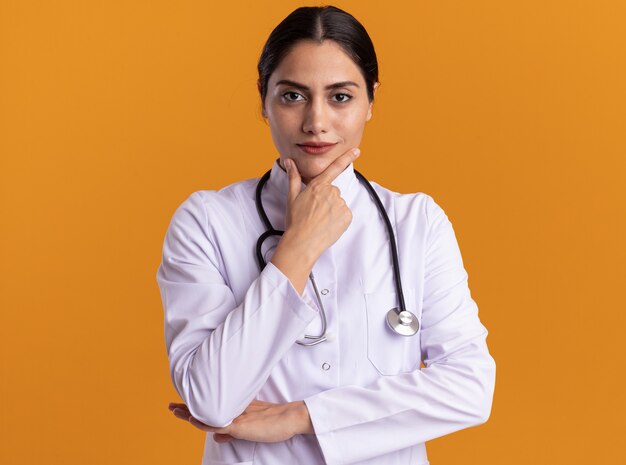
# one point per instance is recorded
(260, 422)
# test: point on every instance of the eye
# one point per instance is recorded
(343, 98)
(291, 96)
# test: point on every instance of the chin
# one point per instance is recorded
(309, 169)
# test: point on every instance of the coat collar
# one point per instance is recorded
(346, 181)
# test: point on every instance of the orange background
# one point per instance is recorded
(510, 114)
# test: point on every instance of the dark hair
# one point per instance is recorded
(319, 23)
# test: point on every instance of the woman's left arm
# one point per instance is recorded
(260, 422)
(453, 391)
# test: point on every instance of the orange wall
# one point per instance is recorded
(510, 114)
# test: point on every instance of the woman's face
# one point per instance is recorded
(316, 94)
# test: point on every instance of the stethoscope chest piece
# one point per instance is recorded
(404, 323)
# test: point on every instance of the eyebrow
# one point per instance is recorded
(303, 87)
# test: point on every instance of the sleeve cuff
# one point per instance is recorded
(297, 303)
(320, 418)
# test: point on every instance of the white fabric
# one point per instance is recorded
(230, 330)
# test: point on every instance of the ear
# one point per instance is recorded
(258, 86)
(369, 110)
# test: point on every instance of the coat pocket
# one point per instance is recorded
(388, 351)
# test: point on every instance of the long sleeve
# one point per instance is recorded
(454, 390)
(221, 351)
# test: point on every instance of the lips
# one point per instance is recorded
(316, 148)
(317, 144)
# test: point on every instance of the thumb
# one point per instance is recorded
(295, 181)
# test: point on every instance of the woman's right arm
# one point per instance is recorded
(220, 353)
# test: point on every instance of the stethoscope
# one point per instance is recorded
(401, 321)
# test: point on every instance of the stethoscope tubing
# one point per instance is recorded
(392, 238)
(398, 315)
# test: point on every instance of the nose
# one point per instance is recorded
(316, 118)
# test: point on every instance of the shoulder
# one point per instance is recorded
(411, 207)
(203, 208)
(220, 200)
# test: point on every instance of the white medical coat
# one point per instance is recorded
(230, 331)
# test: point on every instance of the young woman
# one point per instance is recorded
(307, 346)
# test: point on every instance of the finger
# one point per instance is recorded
(222, 437)
(173, 405)
(257, 407)
(336, 167)
(295, 181)
(183, 414)
(257, 402)
(204, 427)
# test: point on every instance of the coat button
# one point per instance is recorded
(325, 366)
(325, 291)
